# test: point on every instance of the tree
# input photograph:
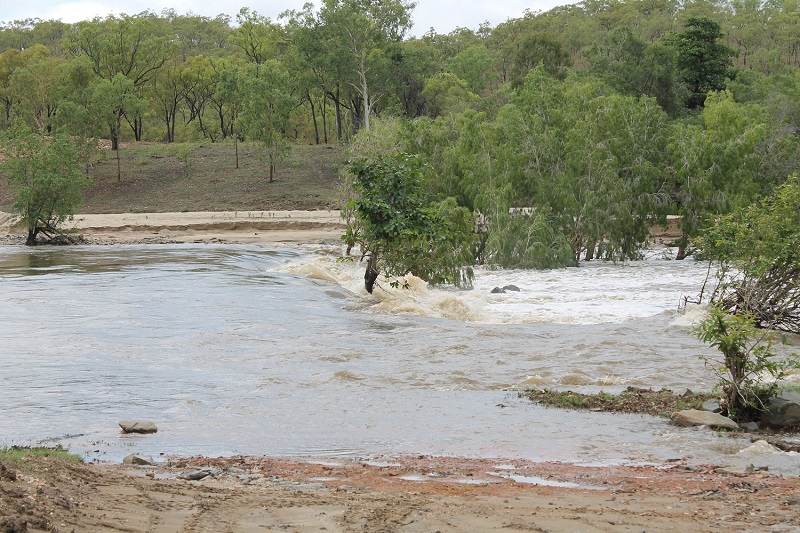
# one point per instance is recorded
(716, 164)
(256, 36)
(535, 49)
(111, 101)
(45, 177)
(596, 160)
(266, 106)
(404, 233)
(126, 46)
(703, 62)
(757, 249)
(446, 94)
(360, 30)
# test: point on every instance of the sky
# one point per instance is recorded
(442, 15)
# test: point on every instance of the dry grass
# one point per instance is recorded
(155, 178)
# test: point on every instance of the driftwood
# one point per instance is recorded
(772, 298)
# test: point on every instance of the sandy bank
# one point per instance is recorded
(224, 226)
(419, 494)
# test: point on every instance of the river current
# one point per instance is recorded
(279, 351)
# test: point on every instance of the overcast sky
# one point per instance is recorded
(443, 15)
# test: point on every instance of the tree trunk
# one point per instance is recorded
(682, 246)
(371, 274)
(313, 117)
(324, 112)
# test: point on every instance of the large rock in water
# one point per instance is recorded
(783, 410)
(693, 417)
(138, 426)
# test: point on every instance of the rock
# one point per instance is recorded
(511, 288)
(736, 470)
(498, 290)
(693, 417)
(783, 410)
(712, 405)
(750, 427)
(141, 460)
(195, 476)
(138, 426)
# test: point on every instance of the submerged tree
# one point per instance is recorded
(404, 233)
(45, 177)
(758, 252)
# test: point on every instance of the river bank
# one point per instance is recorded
(410, 494)
(233, 227)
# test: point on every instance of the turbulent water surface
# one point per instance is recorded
(279, 351)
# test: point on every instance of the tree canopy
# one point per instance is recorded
(565, 134)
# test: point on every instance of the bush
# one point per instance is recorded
(750, 369)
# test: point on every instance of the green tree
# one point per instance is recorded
(704, 63)
(266, 106)
(126, 46)
(757, 250)
(535, 49)
(446, 94)
(111, 101)
(404, 233)
(45, 178)
(359, 31)
(257, 36)
(716, 164)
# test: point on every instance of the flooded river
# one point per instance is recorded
(279, 351)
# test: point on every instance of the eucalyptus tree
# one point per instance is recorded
(412, 63)
(595, 159)
(111, 100)
(475, 65)
(266, 106)
(128, 46)
(635, 67)
(359, 32)
(166, 93)
(36, 88)
(539, 48)
(257, 36)
(446, 94)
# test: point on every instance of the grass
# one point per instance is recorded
(17, 454)
(632, 400)
(160, 177)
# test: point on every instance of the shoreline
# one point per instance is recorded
(230, 227)
(227, 227)
(409, 494)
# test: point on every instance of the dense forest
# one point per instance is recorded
(590, 121)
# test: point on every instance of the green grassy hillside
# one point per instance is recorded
(160, 178)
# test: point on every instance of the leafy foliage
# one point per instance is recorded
(758, 251)
(432, 240)
(703, 62)
(45, 177)
(750, 367)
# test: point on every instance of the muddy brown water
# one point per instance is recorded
(275, 351)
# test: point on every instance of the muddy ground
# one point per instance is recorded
(411, 494)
